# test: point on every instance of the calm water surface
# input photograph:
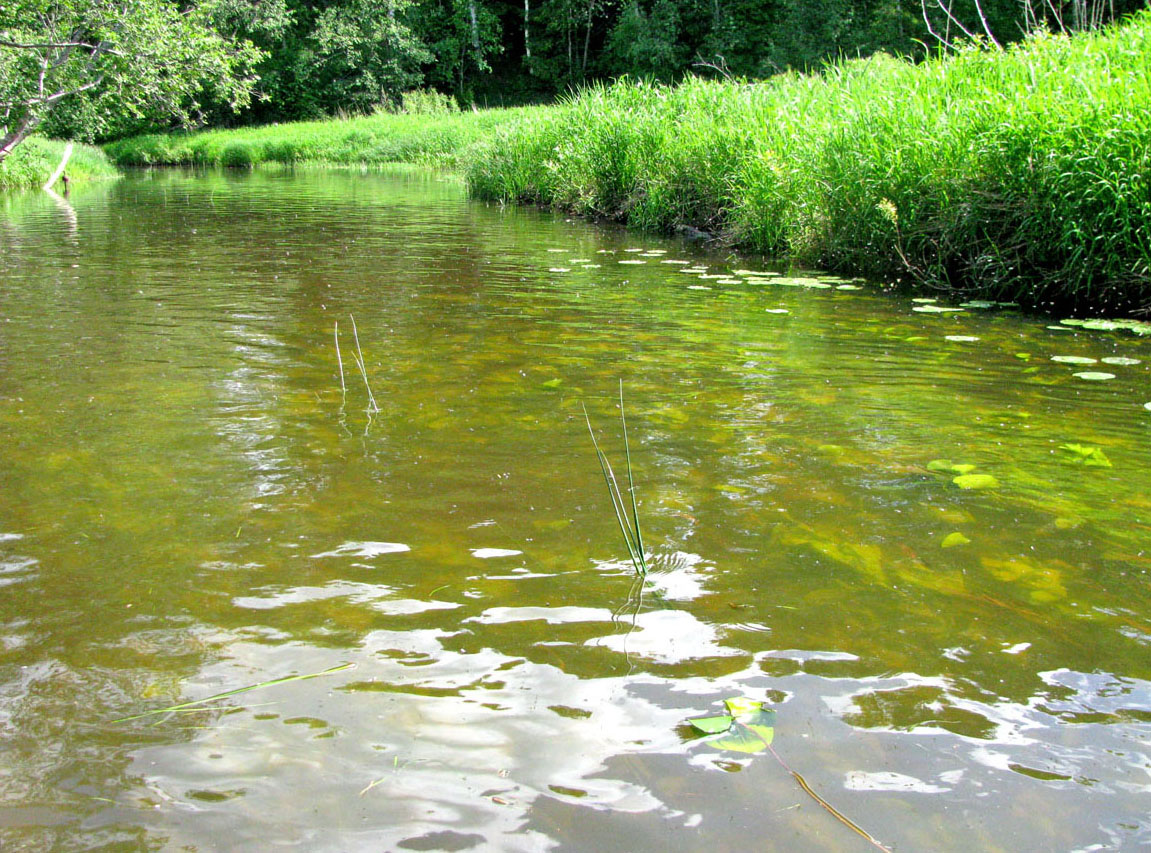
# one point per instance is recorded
(190, 505)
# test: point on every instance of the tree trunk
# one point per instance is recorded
(527, 34)
(18, 134)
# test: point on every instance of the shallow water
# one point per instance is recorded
(191, 505)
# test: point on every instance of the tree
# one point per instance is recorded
(365, 53)
(132, 58)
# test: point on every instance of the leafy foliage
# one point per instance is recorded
(130, 60)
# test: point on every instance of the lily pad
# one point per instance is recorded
(776, 311)
(975, 481)
(1024, 356)
(961, 339)
(977, 303)
(948, 467)
(925, 300)
(1095, 376)
(951, 540)
(848, 287)
(1073, 359)
(747, 727)
(1120, 360)
(559, 269)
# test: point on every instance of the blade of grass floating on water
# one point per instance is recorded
(198, 703)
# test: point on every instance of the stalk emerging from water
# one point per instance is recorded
(632, 536)
(359, 357)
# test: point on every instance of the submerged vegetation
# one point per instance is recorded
(32, 164)
(1020, 173)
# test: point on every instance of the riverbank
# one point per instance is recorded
(436, 139)
(34, 161)
(1020, 176)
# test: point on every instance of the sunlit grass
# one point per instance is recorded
(425, 138)
(35, 159)
(1022, 175)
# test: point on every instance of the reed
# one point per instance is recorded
(632, 536)
(1020, 175)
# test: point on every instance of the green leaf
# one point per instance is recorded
(953, 539)
(712, 725)
(975, 481)
(738, 705)
(552, 383)
(743, 738)
(939, 465)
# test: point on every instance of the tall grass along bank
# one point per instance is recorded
(34, 161)
(435, 139)
(1020, 175)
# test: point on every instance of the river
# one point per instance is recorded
(267, 424)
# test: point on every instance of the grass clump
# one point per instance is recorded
(434, 132)
(1019, 175)
(35, 159)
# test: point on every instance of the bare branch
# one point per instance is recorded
(55, 45)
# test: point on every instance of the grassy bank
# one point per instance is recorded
(34, 161)
(1023, 175)
(431, 139)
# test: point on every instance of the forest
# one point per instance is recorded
(347, 57)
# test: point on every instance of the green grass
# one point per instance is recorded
(1022, 176)
(35, 159)
(434, 138)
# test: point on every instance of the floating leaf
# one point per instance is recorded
(1120, 360)
(552, 383)
(776, 311)
(712, 725)
(738, 705)
(1094, 376)
(925, 300)
(935, 309)
(848, 287)
(963, 468)
(978, 303)
(1073, 359)
(559, 269)
(953, 539)
(1090, 456)
(961, 339)
(1025, 356)
(939, 465)
(975, 481)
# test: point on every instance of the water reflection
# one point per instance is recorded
(192, 503)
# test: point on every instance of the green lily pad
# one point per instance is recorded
(776, 311)
(1025, 356)
(1073, 359)
(552, 383)
(1094, 376)
(975, 481)
(1120, 360)
(935, 309)
(961, 339)
(712, 725)
(1090, 456)
(748, 727)
(977, 303)
(925, 300)
(953, 539)
(939, 465)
